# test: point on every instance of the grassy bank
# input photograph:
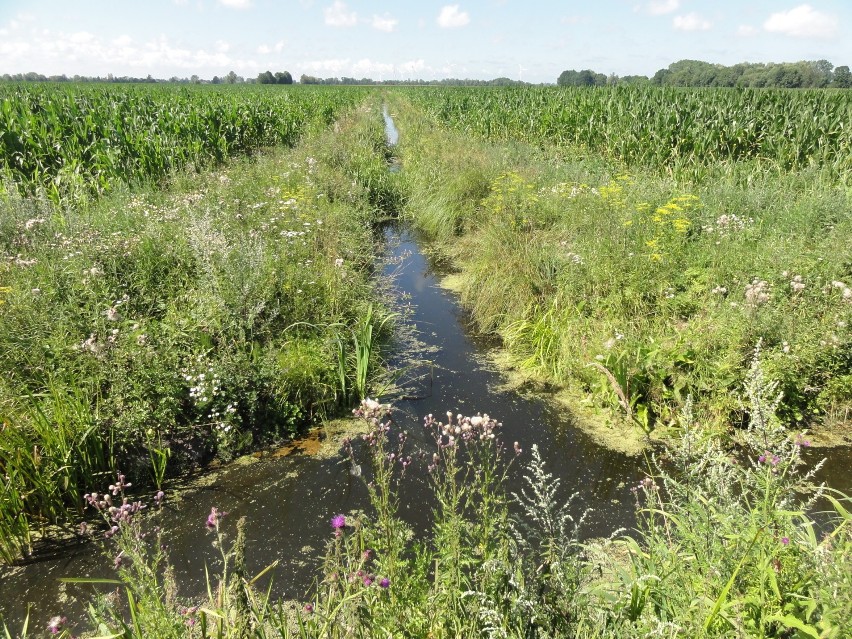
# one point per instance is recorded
(724, 547)
(635, 289)
(158, 328)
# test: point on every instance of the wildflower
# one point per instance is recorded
(785, 541)
(797, 284)
(214, 518)
(757, 293)
(112, 314)
(309, 608)
(518, 449)
(338, 522)
(55, 624)
(338, 262)
(368, 581)
(384, 582)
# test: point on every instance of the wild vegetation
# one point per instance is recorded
(167, 326)
(642, 273)
(725, 547)
(633, 246)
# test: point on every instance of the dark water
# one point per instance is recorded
(289, 500)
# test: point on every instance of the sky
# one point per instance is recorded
(481, 39)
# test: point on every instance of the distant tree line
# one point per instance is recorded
(807, 74)
(266, 77)
(685, 73)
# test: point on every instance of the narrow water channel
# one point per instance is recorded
(289, 499)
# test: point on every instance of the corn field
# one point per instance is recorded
(82, 140)
(683, 131)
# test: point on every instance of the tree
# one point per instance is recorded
(842, 78)
(266, 78)
(283, 77)
(231, 78)
(584, 78)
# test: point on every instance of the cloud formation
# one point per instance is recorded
(691, 22)
(662, 7)
(385, 23)
(236, 4)
(802, 22)
(339, 15)
(451, 17)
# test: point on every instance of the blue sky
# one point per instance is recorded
(532, 40)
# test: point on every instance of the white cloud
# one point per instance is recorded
(265, 49)
(691, 22)
(451, 17)
(222, 46)
(338, 15)
(746, 30)
(385, 23)
(236, 4)
(802, 22)
(53, 52)
(662, 7)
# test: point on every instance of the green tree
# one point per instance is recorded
(283, 77)
(842, 78)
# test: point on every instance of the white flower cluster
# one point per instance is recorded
(757, 293)
(205, 385)
(845, 290)
(728, 224)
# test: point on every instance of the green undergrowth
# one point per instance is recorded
(637, 290)
(724, 547)
(154, 330)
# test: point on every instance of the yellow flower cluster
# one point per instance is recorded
(512, 194)
(668, 223)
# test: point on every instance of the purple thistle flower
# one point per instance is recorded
(385, 582)
(785, 540)
(338, 522)
(309, 608)
(55, 624)
(214, 518)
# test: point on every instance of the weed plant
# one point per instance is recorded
(638, 289)
(155, 330)
(727, 545)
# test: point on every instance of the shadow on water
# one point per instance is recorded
(290, 497)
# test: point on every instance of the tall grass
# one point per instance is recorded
(725, 546)
(154, 330)
(632, 288)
